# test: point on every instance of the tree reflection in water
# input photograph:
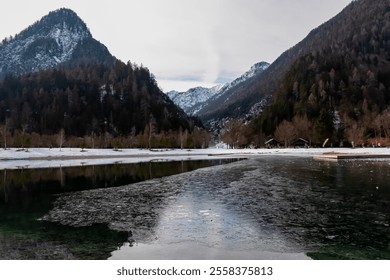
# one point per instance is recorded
(26, 195)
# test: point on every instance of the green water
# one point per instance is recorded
(27, 195)
(265, 207)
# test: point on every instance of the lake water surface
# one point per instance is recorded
(262, 208)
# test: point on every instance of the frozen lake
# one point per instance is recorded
(267, 207)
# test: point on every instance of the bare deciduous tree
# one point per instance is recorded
(285, 133)
(354, 132)
(303, 127)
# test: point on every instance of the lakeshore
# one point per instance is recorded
(276, 204)
(67, 157)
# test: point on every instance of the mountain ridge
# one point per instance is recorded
(59, 85)
(263, 87)
(195, 99)
(341, 88)
(60, 38)
(333, 85)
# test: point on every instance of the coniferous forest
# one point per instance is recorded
(340, 90)
(332, 86)
(337, 87)
(93, 106)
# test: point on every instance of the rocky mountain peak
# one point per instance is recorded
(47, 43)
(61, 19)
(195, 99)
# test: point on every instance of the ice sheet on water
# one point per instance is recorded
(272, 204)
(202, 206)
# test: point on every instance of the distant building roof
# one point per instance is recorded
(301, 140)
(272, 140)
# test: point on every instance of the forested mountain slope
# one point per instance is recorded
(334, 85)
(58, 84)
(120, 101)
(342, 86)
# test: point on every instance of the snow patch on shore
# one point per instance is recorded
(47, 158)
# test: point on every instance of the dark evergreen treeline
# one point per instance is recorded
(341, 90)
(336, 86)
(341, 98)
(112, 102)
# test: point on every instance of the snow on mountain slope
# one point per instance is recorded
(194, 100)
(46, 44)
(255, 69)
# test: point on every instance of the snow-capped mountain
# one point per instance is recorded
(195, 99)
(255, 69)
(60, 38)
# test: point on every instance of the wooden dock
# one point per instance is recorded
(347, 156)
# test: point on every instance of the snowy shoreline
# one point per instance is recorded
(66, 157)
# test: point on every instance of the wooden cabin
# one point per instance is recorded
(300, 143)
(272, 143)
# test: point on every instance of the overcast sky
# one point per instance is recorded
(186, 43)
